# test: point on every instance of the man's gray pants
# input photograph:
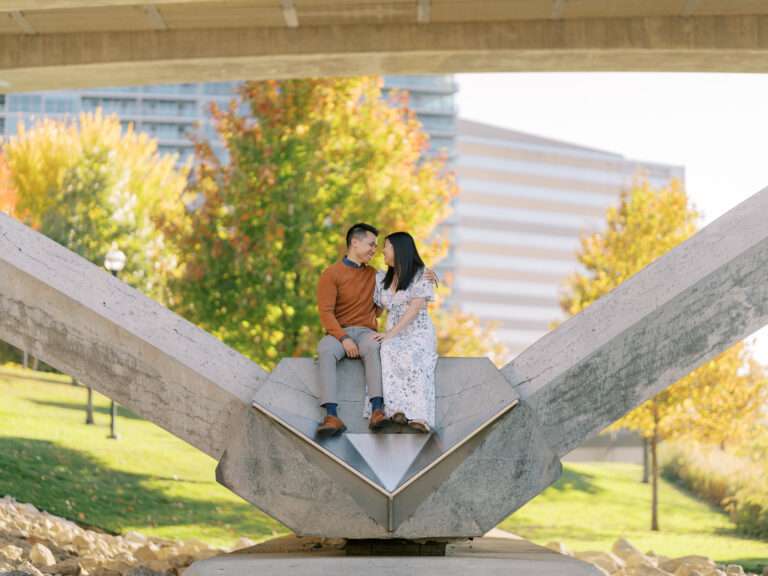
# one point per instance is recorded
(330, 351)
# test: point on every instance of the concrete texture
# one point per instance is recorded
(499, 434)
(76, 317)
(57, 45)
(679, 312)
(486, 556)
(471, 393)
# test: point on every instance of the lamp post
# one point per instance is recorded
(114, 262)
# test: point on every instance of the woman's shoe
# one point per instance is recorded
(399, 418)
(420, 425)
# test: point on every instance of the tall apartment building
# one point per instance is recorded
(524, 203)
(172, 112)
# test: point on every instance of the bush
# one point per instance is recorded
(737, 485)
(9, 353)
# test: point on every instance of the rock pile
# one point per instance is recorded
(626, 560)
(40, 544)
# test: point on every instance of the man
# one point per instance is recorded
(348, 314)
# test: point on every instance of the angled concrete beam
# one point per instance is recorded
(78, 318)
(681, 311)
(675, 43)
(68, 4)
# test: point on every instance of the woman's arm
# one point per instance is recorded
(413, 310)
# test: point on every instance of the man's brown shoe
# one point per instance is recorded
(378, 419)
(331, 426)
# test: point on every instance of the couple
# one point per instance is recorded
(400, 363)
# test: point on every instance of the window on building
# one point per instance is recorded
(25, 103)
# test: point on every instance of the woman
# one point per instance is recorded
(409, 346)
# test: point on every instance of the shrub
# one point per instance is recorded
(737, 485)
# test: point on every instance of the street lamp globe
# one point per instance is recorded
(114, 261)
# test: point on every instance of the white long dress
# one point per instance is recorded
(408, 360)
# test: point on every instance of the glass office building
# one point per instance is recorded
(171, 113)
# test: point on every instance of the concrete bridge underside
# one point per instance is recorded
(54, 44)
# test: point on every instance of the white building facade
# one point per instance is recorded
(524, 203)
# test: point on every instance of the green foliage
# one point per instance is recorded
(91, 186)
(719, 402)
(148, 480)
(735, 484)
(317, 156)
(593, 504)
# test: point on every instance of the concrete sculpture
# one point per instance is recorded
(483, 460)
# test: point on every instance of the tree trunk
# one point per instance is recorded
(25, 359)
(646, 461)
(655, 471)
(89, 407)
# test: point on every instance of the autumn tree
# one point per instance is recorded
(91, 185)
(718, 402)
(7, 191)
(310, 159)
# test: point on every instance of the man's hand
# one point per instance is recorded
(350, 348)
(430, 275)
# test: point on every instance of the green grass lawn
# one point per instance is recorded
(148, 480)
(152, 482)
(591, 505)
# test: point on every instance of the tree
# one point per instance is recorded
(312, 158)
(721, 400)
(7, 191)
(91, 185)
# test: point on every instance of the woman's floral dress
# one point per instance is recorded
(408, 360)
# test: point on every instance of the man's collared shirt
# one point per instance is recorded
(352, 264)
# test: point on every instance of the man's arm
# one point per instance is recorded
(326, 305)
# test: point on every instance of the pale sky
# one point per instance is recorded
(715, 125)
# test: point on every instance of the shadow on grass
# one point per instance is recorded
(571, 480)
(76, 486)
(122, 412)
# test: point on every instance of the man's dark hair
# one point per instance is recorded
(408, 263)
(359, 230)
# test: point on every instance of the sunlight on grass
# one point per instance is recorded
(148, 480)
(153, 482)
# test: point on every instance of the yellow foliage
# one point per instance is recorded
(8, 197)
(721, 400)
(92, 184)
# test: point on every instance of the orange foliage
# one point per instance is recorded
(8, 196)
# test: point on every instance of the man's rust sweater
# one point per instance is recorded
(345, 298)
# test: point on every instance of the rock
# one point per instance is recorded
(81, 542)
(205, 554)
(673, 564)
(605, 560)
(41, 556)
(629, 554)
(734, 570)
(29, 569)
(143, 571)
(68, 567)
(242, 543)
(181, 561)
(559, 547)
(135, 537)
(159, 565)
(11, 552)
(645, 570)
(12, 572)
(147, 553)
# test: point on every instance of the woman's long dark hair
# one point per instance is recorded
(407, 260)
